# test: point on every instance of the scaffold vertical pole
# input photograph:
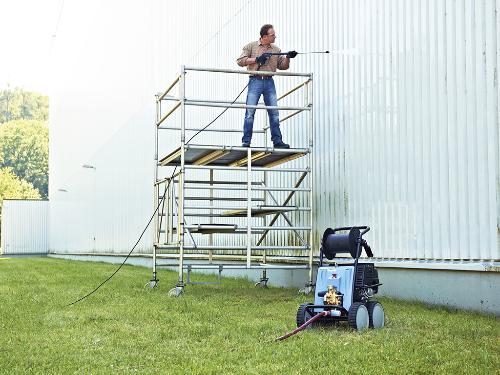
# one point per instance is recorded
(211, 236)
(309, 92)
(249, 207)
(180, 228)
(167, 213)
(263, 278)
(154, 279)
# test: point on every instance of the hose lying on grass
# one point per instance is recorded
(303, 326)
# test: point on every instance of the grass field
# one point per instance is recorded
(231, 328)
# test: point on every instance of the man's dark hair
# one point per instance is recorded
(264, 29)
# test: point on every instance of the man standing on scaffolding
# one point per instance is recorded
(254, 56)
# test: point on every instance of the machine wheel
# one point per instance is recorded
(376, 314)
(302, 315)
(358, 316)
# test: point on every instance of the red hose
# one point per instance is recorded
(303, 326)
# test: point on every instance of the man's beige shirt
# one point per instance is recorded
(255, 49)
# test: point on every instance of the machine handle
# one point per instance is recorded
(367, 248)
(365, 227)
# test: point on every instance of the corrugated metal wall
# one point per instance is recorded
(25, 227)
(102, 131)
(406, 108)
(105, 205)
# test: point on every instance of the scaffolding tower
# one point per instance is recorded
(203, 222)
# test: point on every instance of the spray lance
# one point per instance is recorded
(262, 59)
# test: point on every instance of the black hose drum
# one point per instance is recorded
(341, 243)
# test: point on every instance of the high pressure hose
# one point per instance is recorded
(162, 200)
(304, 326)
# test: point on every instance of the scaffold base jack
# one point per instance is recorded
(262, 283)
(176, 291)
(152, 283)
(307, 289)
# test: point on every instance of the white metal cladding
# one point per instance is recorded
(24, 227)
(108, 201)
(102, 113)
(406, 109)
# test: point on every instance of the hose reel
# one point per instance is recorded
(334, 243)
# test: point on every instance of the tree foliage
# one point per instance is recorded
(12, 187)
(17, 104)
(24, 148)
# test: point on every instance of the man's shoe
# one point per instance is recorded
(281, 145)
(245, 144)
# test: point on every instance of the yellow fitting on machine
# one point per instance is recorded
(332, 297)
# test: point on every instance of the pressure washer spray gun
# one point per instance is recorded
(262, 59)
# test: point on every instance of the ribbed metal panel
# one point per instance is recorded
(406, 109)
(105, 205)
(102, 113)
(25, 227)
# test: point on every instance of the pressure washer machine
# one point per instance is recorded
(344, 291)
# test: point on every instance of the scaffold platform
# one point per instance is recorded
(232, 156)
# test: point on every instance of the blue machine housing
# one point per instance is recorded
(340, 277)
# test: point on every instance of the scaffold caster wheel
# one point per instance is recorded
(262, 283)
(176, 291)
(308, 289)
(152, 283)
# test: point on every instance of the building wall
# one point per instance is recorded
(24, 227)
(107, 202)
(406, 109)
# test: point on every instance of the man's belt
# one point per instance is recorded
(262, 77)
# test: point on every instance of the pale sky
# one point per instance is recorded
(28, 30)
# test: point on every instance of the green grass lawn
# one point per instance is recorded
(230, 328)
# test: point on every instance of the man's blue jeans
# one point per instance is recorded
(256, 88)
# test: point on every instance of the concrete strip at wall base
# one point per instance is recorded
(277, 277)
(466, 290)
(28, 255)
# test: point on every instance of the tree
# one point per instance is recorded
(12, 187)
(17, 104)
(24, 148)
